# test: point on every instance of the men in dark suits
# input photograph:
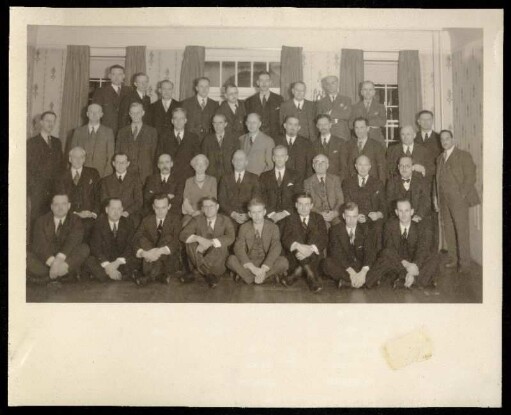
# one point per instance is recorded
(455, 193)
(182, 145)
(257, 249)
(234, 111)
(200, 109)
(124, 185)
(139, 142)
(44, 163)
(57, 249)
(369, 194)
(164, 182)
(161, 111)
(325, 190)
(299, 149)
(426, 135)
(351, 250)
(109, 96)
(267, 105)
(81, 184)
(304, 239)
(363, 144)
(331, 146)
(138, 93)
(236, 189)
(406, 254)
(370, 109)
(302, 109)
(279, 186)
(111, 251)
(97, 140)
(423, 163)
(207, 237)
(337, 106)
(156, 242)
(219, 147)
(257, 146)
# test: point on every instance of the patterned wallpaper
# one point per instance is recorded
(163, 64)
(317, 65)
(47, 83)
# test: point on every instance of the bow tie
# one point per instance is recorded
(406, 180)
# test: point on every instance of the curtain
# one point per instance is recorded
(351, 73)
(163, 64)
(75, 95)
(30, 80)
(191, 69)
(409, 86)
(291, 69)
(135, 62)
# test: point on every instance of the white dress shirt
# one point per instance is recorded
(405, 147)
(93, 127)
(123, 175)
(74, 171)
(360, 178)
(447, 153)
(403, 227)
(239, 174)
(299, 104)
(290, 140)
(166, 103)
(326, 137)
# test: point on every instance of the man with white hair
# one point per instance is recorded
(372, 110)
(301, 108)
(337, 106)
(257, 146)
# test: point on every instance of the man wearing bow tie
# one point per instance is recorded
(337, 106)
(160, 113)
(257, 146)
(140, 94)
(370, 109)
(302, 109)
(234, 112)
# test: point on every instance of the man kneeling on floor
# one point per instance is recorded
(406, 254)
(257, 250)
(207, 238)
(156, 241)
(351, 250)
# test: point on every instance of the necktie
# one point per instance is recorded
(92, 132)
(324, 142)
(117, 90)
(426, 136)
(363, 182)
(408, 152)
(360, 145)
(166, 105)
(114, 230)
(203, 103)
(210, 225)
(178, 137)
(160, 227)
(119, 178)
(445, 157)
(299, 107)
(352, 236)
(304, 223)
(332, 98)
(257, 234)
(290, 142)
(76, 178)
(135, 132)
(59, 227)
(220, 138)
(264, 100)
(235, 108)
(238, 180)
(404, 235)
(322, 181)
(163, 181)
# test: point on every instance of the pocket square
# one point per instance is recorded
(277, 108)
(290, 184)
(90, 181)
(335, 151)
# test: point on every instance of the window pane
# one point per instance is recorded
(244, 74)
(380, 95)
(275, 74)
(93, 85)
(228, 73)
(395, 96)
(258, 67)
(212, 71)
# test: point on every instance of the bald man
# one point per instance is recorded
(301, 108)
(257, 146)
(97, 140)
(372, 110)
(337, 106)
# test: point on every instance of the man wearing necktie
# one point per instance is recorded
(370, 109)
(302, 109)
(426, 135)
(160, 113)
(140, 94)
(234, 111)
(257, 145)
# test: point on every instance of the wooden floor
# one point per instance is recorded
(452, 288)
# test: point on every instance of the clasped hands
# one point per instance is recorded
(357, 278)
(412, 271)
(330, 215)
(303, 251)
(153, 254)
(58, 268)
(259, 272)
(85, 214)
(374, 216)
(240, 218)
(112, 269)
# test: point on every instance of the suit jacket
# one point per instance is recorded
(300, 155)
(270, 114)
(377, 117)
(235, 121)
(337, 154)
(141, 151)
(432, 143)
(271, 242)
(463, 169)
(124, 107)
(220, 156)
(146, 237)
(44, 163)
(259, 153)
(233, 197)
(153, 186)
(103, 245)
(198, 119)
(376, 153)
(370, 198)
(331, 194)
(316, 233)
(181, 153)
(421, 155)
(46, 243)
(161, 119)
(84, 195)
(340, 111)
(419, 241)
(129, 191)
(99, 149)
(110, 101)
(280, 198)
(223, 230)
(418, 194)
(363, 251)
(306, 116)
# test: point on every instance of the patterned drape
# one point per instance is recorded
(45, 90)
(191, 69)
(351, 73)
(291, 69)
(163, 64)
(409, 85)
(317, 65)
(135, 62)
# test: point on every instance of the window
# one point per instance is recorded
(388, 95)
(240, 66)
(100, 61)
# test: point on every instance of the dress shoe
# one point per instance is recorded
(312, 279)
(289, 280)
(211, 280)
(451, 264)
(141, 281)
(236, 278)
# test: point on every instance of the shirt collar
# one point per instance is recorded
(176, 132)
(252, 136)
(292, 139)
(199, 99)
(448, 152)
(56, 220)
(328, 136)
(96, 127)
(306, 218)
(116, 87)
(351, 229)
(319, 176)
(46, 136)
(166, 101)
(362, 140)
(111, 223)
(332, 96)
(141, 94)
(236, 174)
(402, 227)
(300, 103)
(423, 133)
(410, 146)
(360, 178)
(165, 176)
(138, 124)
(122, 175)
(233, 106)
(264, 94)
(73, 171)
(212, 221)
